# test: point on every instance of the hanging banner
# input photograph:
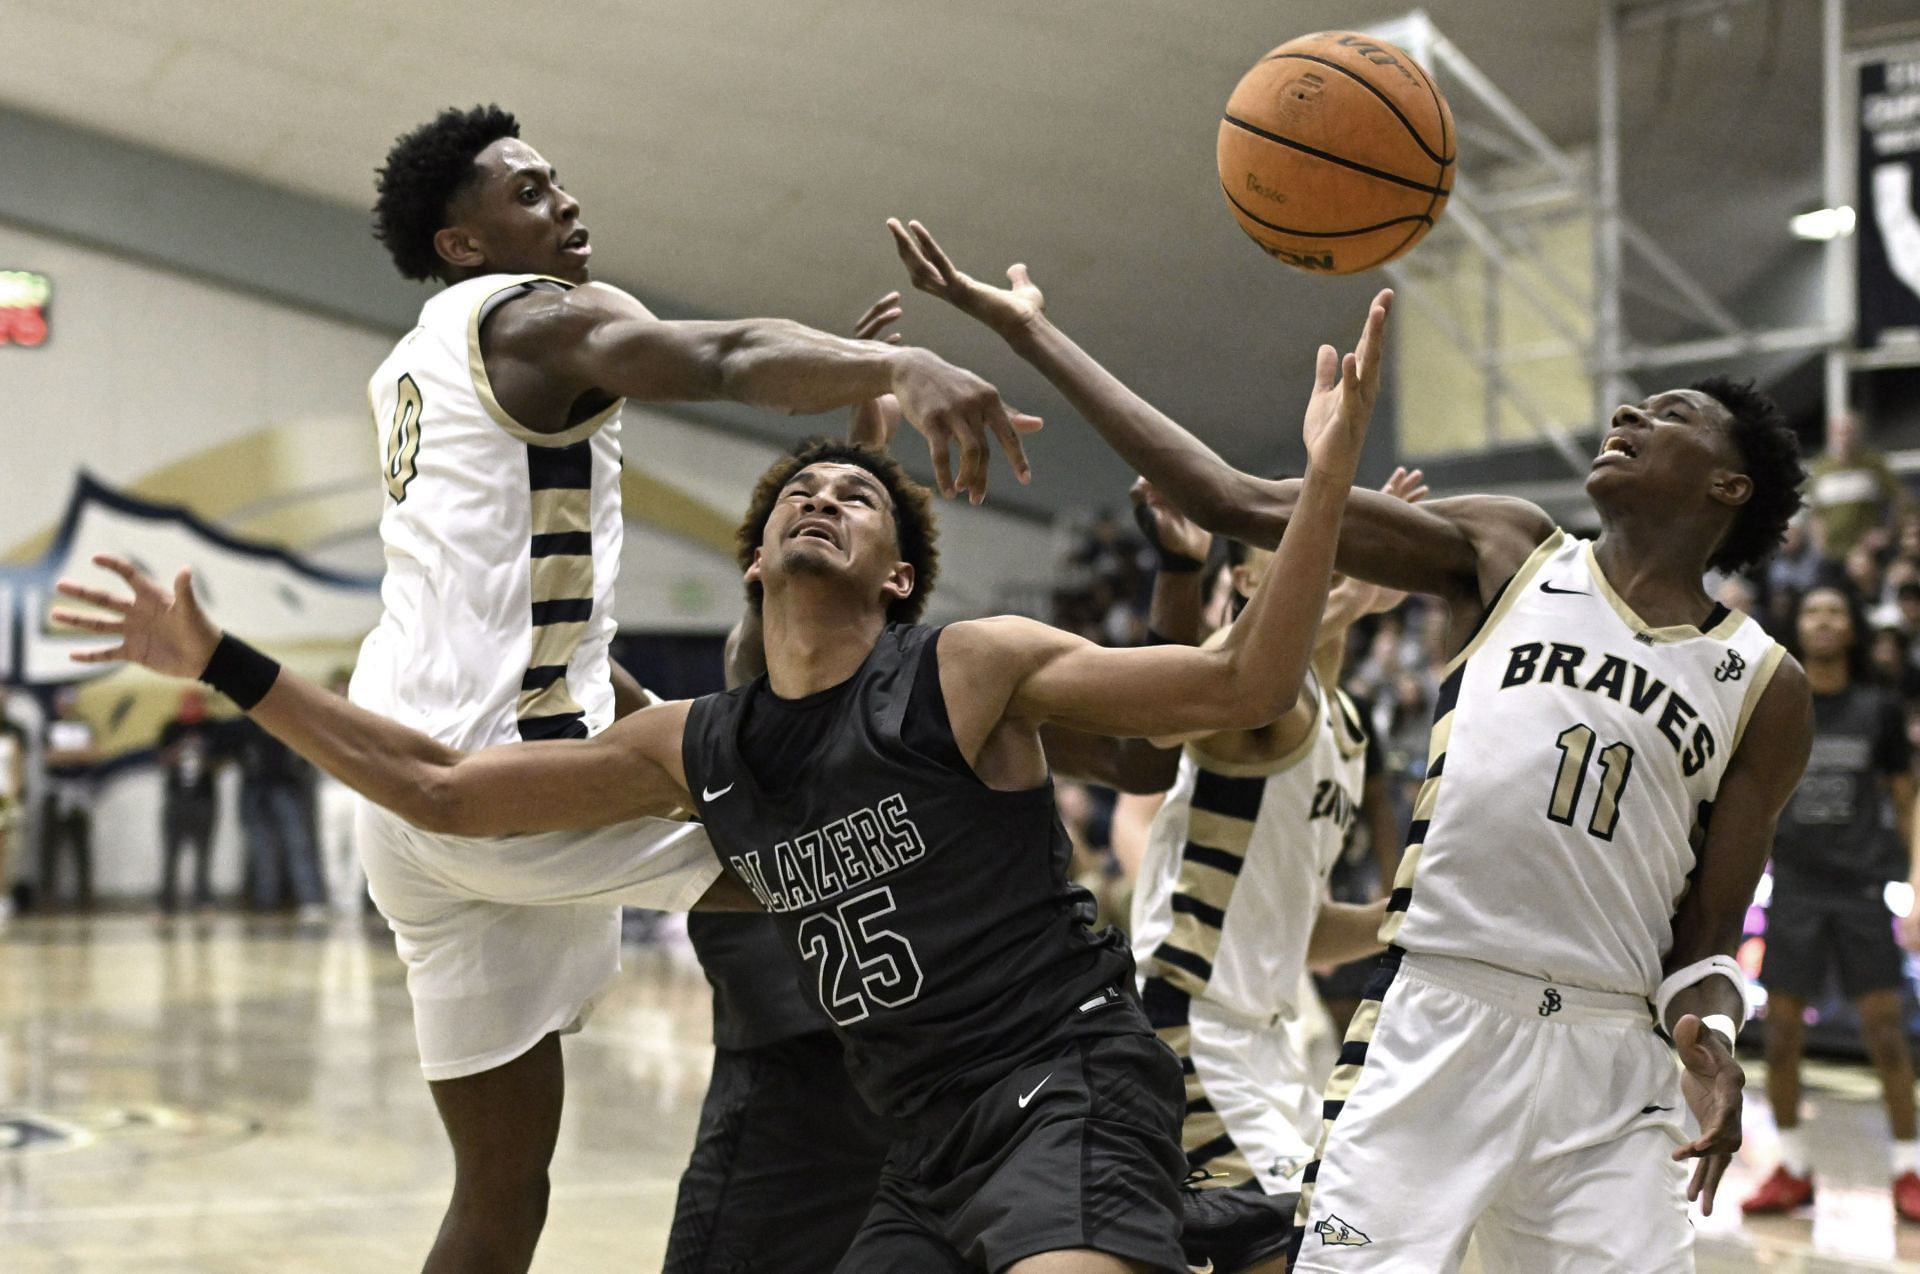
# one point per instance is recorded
(1887, 230)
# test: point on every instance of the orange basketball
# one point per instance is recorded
(1336, 152)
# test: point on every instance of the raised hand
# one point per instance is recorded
(161, 630)
(1170, 532)
(1713, 1083)
(1003, 309)
(1344, 392)
(876, 420)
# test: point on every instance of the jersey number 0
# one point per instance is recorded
(403, 440)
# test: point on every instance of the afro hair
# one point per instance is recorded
(425, 169)
(913, 520)
(1771, 457)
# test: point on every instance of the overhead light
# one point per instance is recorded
(1823, 224)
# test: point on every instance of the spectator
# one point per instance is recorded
(1852, 492)
(1832, 859)
(1889, 664)
(72, 759)
(275, 810)
(13, 801)
(187, 758)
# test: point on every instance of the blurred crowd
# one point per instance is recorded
(295, 824)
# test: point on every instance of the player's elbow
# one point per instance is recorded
(442, 802)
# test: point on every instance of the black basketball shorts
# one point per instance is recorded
(784, 1166)
(1807, 934)
(1081, 1150)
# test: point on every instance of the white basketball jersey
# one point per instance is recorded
(1575, 753)
(502, 544)
(1237, 865)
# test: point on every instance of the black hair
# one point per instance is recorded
(425, 169)
(914, 527)
(1770, 457)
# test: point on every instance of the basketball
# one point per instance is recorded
(1336, 153)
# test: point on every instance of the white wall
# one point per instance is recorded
(144, 367)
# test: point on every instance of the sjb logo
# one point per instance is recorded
(1732, 668)
(1549, 1003)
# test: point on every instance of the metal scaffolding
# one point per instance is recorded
(1493, 217)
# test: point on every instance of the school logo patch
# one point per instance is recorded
(1334, 1232)
(1732, 668)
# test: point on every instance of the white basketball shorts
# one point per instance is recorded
(509, 938)
(1471, 1101)
(1253, 1110)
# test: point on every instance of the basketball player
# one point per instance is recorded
(1504, 1076)
(498, 418)
(1832, 857)
(883, 792)
(1230, 908)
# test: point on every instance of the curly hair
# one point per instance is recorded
(1771, 455)
(425, 169)
(916, 534)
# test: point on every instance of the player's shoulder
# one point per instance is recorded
(1503, 530)
(544, 311)
(1003, 635)
(1782, 722)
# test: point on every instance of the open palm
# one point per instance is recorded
(1345, 390)
(1005, 310)
(162, 630)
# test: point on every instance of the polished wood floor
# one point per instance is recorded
(222, 1096)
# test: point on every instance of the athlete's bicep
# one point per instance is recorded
(595, 338)
(1142, 692)
(631, 769)
(1759, 780)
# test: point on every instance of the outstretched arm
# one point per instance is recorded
(1024, 672)
(1760, 777)
(1460, 549)
(631, 769)
(548, 351)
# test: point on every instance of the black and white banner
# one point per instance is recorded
(1887, 232)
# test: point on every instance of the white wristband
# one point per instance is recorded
(1721, 1025)
(1699, 971)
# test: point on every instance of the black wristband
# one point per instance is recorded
(1175, 564)
(240, 672)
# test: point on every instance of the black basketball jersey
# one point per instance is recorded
(1837, 833)
(929, 915)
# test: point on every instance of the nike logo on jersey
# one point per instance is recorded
(1546, 587)
(1649, 1110)
(1036, 1088)
(710, 794)
(1334, 1232)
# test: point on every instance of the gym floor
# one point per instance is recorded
(229, 1096)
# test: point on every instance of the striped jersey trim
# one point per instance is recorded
(1345, 1078)
(1220, 821)
(560, 577)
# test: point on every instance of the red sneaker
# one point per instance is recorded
(1906, 1196)
(1783, 1192)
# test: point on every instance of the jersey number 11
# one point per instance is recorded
(1616, 767)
